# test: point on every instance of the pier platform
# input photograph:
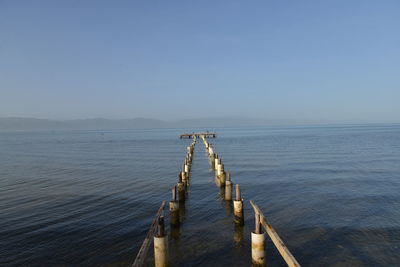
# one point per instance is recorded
(191, 135)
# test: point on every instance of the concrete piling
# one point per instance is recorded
(258, 249)
(181, 192)
(184, 176)
(160, 245)
(257, 244)
(238, 207)
(222, 178)
(220, 169)
(228, 188)
(216, 162)
(186, 168)
(210, 150)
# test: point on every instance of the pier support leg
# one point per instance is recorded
(174, 212)
(228, 190)
(212, 160)
(238, 211)
(184, 176)
(238, 207)
(186, 168)
(181, 191)
(222, 178)
(258, 249)
(174, 215)
(216, 162)
(160, 246)
(257, 244)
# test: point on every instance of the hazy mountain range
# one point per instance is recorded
(15, 123)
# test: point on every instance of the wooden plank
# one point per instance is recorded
(141, 256)
(283, 250)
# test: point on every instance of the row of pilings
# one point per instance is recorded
(177, 203)
(177, 207)
(224, 182)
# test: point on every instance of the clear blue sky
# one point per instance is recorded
(324, 60)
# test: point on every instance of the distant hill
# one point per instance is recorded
(14, 123)
(89, 124)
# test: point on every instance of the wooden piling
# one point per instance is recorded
(220, 169)
(216, 162)
(258, 224)
(237, 189)
(222, 178)
(181, 191)
(210, 150)
(161, 245)
(184, 176)
(257, 244)
(258, 249)
(186, 168)
(238, 207)
(228, 190)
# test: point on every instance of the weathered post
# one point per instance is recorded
(181, 191)
(217, 161)
(238, 207)
(222, 178)
(220, 169)
(257, 244)
(184, 176)
(186, 168)
(228, 188)
(210, 150)
(160, 245)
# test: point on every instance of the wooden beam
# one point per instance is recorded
(283, 250)
(141, 256)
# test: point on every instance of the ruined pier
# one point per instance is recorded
(157, 234)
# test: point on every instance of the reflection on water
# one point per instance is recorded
(238, 234)
(87, 198)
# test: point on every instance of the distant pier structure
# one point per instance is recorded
(205, 134)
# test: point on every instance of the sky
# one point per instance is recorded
(281, 60)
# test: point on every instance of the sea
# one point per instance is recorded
(87, 198)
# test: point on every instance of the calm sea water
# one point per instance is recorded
(87, 198)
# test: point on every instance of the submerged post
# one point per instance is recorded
(184, 175)
(228, 188)
(181, 191)
(186, 168)
(238, 207)
(216, 161)
(257, 244)
(222, 178)
(160, 245)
